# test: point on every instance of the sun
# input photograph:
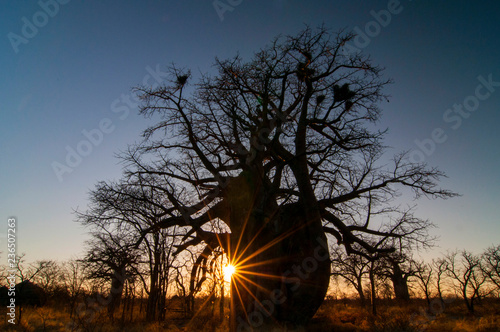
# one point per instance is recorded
(228, 271)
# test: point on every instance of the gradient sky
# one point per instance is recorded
(89, 54)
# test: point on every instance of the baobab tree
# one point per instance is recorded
(275, 146)
(408, 232)
(111, 256)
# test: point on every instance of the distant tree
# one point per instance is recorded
(353, 269)
(74, 281)
(131, 210)
(465, 270)
(37, 280)
(191, 272)
(27, 292)
(396, 265)
(491, 265)
(374, 272)
(159, 253)
(111, 255)
(50, 276)
(182, 291)
(399, 267)
(424, 273)
(440, 266)
(28, 271)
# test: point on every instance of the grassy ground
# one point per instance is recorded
(415, 316)
(336, 316)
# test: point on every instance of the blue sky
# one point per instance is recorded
(77, 70)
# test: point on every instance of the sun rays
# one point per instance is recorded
(251, 277)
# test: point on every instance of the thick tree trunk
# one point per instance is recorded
(400, 284)
(282, 263)
(115, 294)
(361, 293)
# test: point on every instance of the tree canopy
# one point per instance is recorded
(299, 116)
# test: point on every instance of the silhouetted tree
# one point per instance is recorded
(50, 277)
(130, 208)
(111, 255)
(491, 265)
(74, 282)
(399, 267)
(374, 270)
(424, 272)
(465, 270)
(413, 234)
(440, 266)
(408, 233)
(28, 271)
(352, 268)
(275, 147)
(27, 292)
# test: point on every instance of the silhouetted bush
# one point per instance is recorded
(26, 294)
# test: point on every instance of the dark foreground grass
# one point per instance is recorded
(339, 316)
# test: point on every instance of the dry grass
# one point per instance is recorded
(415, 316)
(339, 316)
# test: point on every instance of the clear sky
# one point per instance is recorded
(67, 68)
